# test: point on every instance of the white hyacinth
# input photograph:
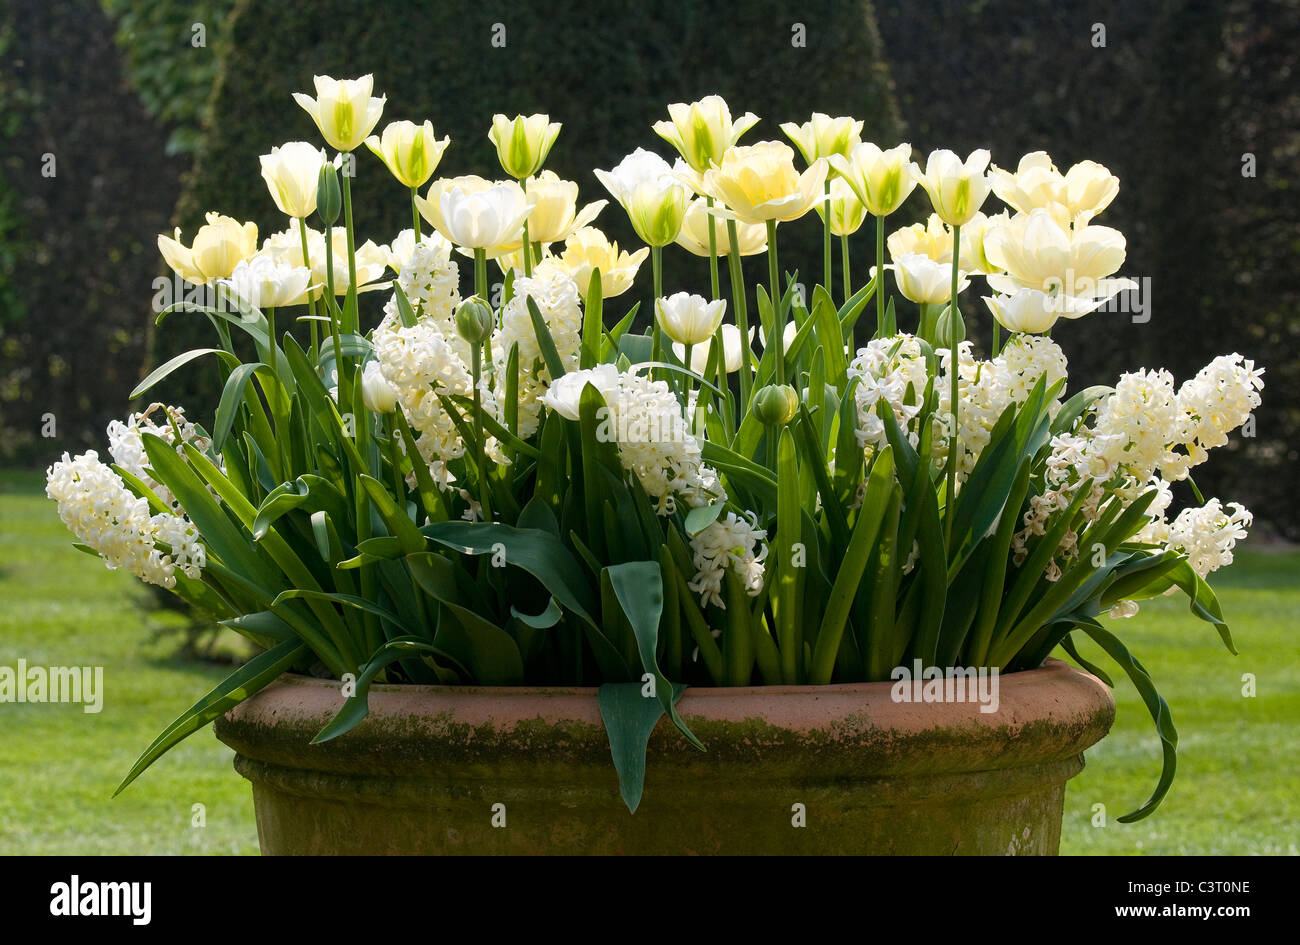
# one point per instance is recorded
(644, 418)
(732, 542)
(107, 517)
(556, 297)
(885, 370)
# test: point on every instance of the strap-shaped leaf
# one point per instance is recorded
(1155, 704)
(253, 676)
(845, 588)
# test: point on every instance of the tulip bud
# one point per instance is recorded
(329, 198)
(943, 329)
(475, 320)
(776, 405)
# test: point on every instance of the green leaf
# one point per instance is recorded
(629, 719)
(253, 676)
(539, 553)
(638, 585)
(543, 621)
(162, 371)
(845, 587)
(488, 652)
(550, 356)
(232, 395)
(1155, 704)
(701, 517)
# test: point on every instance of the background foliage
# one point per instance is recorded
(1181, 90)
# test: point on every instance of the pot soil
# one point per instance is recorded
(789, 770)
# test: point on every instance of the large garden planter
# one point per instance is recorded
(426, 771)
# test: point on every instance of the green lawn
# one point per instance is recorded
(1237, 790)
(58, 764)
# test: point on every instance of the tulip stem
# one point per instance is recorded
(527, 248)
(997, 338)
(713, 249)
(844, 263)
(954, 369)
(480, 273)
(311, 299)
(334, 322)
(352, 252)
(480, 453)
(880, 277)
(737, 275)
(656, 332)
(826, 241)
(686, 391)
(415, 216)
(778, 310)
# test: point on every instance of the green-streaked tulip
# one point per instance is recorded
(957, 188)
(410, 151)
(703, 131)
(654, 198)
(881, 179)
(523, 142)
(823, 136)
(343, 109)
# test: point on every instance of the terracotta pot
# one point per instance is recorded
(424, 773)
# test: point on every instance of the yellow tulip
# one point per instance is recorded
(1075, 197)
(219, 246)
(1036, 251)
(973, 253)
(823, 136)
(292, 173)
(343, 109)
(931, 239)
(847, 212)
(881, 179)
(555, 216)
(588, 249)
(523, 142)
(751, 238)
(703, 131)
(757, 183)
(957, 188)
(410, 151)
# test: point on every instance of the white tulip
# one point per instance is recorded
(292, 174)
(1037, 251)
(483, 219)
(923, 280)
(564, 396)
(1029, 310)
(689, 319)
(731, 351)
(263, 282)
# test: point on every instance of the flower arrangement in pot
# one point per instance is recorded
(511, 516)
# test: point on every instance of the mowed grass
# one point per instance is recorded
(1237, 791)
(1238, 784)
(58, 764)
